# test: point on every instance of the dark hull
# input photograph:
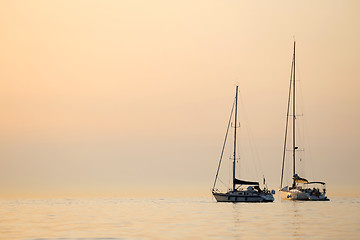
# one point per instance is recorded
(242, 197)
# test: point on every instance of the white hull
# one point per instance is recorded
(295, 194)
(243, 196)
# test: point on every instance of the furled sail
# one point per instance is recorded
(243, 182)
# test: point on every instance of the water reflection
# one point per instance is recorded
(177, 219)
(297, 220)
(238, 221)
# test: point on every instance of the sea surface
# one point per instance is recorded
(177, 218)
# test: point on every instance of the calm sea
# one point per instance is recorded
(178, 218)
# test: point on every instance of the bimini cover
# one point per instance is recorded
(299, 179)
(243, 182)
(316, 183)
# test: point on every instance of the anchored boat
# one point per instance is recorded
(241, 191)
(301, 188)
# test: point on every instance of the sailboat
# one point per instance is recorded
(252, 192)
(301, 188)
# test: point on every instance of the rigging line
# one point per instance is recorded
(223, 183)
(229, 170)
(286, 126)
(223, 148)
(306, 143)
(251, 140)
(301, 161)
(294, 120)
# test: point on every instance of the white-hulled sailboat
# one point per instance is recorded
(252, 192)
(301, 188)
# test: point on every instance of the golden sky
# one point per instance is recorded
(114, 96)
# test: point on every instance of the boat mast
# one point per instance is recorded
(286, 126)
(236, 101)
(294, 117)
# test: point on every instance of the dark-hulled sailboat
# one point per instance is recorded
(301, 188)
(252, 192)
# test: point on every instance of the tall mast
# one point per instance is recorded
(236, 101)
(294, 117)
(286, 125)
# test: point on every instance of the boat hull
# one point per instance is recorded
(297, 195)
(322, 197)
(243, 197)
(293, 194)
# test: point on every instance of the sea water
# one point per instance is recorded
(177, 218)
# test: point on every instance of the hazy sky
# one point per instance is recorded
(119, 97)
